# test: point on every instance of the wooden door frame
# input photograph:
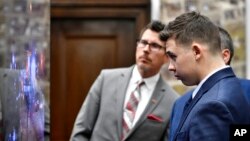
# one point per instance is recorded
(135, 10)
(138, 10)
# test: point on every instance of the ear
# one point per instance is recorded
(196, 48)
(226, 55)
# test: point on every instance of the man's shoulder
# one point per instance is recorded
(114, 71)
(244, 82)
(169, 89)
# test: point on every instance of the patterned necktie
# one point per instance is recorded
(130, 109)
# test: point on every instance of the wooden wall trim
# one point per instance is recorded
(95, 12)
(107, 10)
(103, 9)
(100, 3)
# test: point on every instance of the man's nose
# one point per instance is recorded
(171, 67)
(147, 47)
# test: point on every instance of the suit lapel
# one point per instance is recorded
(211, 81)
(121, 87)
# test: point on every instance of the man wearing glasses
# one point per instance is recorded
(132, 103)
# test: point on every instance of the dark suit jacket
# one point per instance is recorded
(246, 88)
(218, 104)
(100, 118)
(177, 113)
(180, 103)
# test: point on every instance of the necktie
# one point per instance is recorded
(130, 109)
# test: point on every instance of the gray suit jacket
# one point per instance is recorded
(100, 117)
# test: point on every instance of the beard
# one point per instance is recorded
(145, 70)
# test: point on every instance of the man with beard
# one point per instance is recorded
(129, 104)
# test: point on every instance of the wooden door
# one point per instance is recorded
(82, 45)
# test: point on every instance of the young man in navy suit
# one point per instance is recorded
(193, 46)
(227, 53)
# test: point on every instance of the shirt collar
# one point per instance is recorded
(204, 80)
(150, 82)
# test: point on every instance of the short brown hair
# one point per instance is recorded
(156, 26)
(192, 26)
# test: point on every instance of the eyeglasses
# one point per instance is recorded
(153, 46)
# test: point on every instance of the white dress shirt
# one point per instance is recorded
(146, 91)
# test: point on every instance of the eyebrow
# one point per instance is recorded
(154, 42)
(170, 53)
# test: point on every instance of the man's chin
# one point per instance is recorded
(187, 83)
(143, 67)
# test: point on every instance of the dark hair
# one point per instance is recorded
(156, 26)
(226, 42)
(192, 26)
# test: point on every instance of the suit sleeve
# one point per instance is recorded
(211, 123)
(86, 118)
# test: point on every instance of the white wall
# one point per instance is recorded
(155, 9)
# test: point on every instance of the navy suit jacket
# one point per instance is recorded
(177, 113)
(246, 88)
(219, 103)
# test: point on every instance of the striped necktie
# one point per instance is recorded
(130, 109)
